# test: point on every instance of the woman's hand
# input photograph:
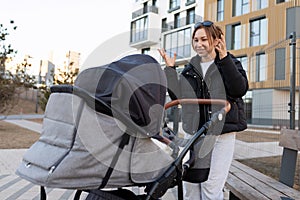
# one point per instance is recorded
(170, 62)
(221, 47)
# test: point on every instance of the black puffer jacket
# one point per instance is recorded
(224, 79)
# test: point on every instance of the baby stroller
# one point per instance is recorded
(98, 135)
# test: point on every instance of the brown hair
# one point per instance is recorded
(213, 31)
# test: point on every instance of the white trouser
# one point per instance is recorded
(221, 159)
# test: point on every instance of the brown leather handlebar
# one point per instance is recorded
(226, 104)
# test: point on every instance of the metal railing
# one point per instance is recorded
(145, 10)
(180, 23)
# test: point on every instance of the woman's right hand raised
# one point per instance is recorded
(170, 61)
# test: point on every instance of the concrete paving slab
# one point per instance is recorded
(12, 187)
(246, 150)
(33, 126)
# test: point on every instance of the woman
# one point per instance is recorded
(213, 73)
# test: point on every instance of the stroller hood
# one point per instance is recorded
(134, 85)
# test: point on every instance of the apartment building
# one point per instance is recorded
(165, 24)
(257, 32)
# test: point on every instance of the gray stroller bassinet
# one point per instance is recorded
(98, 133)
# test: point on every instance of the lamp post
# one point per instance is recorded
(289, 156)
(38, 88)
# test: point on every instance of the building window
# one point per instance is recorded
(261, 67)
(258, 32)
(240, 7)
(164, 25)
(280, 64)
(236, 36)
(146, 51)
(139, 30)
(244, 62)
(145, 8)
(260, 4)
(189, 2)
(176, 20)
(220, 10)
(174, 5)
(178, 42)
(280, 1)
(154, 2)
(190, 16)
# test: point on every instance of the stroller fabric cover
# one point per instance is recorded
(79, 139)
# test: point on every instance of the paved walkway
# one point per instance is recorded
(12, 187)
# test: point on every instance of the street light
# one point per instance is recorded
(38, 86)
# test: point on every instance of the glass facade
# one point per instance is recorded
(258, 32)
(174, 4)
(240, 7)
(139, 30)
(178, 42)
(176, 20)
(281, 1)
(190, 16)
(244, 62)
(259, 4)
(220, 10)
(236, 36)
(146, 51)
(261, 67)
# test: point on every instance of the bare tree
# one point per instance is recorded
(11, 84)
(6, 51)
(7, 86)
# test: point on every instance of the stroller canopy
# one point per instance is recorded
(134, 85)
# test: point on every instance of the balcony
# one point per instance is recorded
(145, 10)
(180, 23)
(145, 31)
(179, 41)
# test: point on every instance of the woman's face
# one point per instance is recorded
(201, 45)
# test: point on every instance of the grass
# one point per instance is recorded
(24, 107)
(252, 137)
(15, 137)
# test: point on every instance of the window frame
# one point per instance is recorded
(174, 5)
(139, 30)
(191, 13)
(234, 34)
(220, 10)
(261, 71)
(260, 34)
(240, 7)
(171, 43)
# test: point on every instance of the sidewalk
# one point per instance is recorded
(12, 187)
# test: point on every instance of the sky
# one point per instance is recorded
(62, 25)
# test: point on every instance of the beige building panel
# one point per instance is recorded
(277, 38)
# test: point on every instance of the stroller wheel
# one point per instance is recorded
(120, 194)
